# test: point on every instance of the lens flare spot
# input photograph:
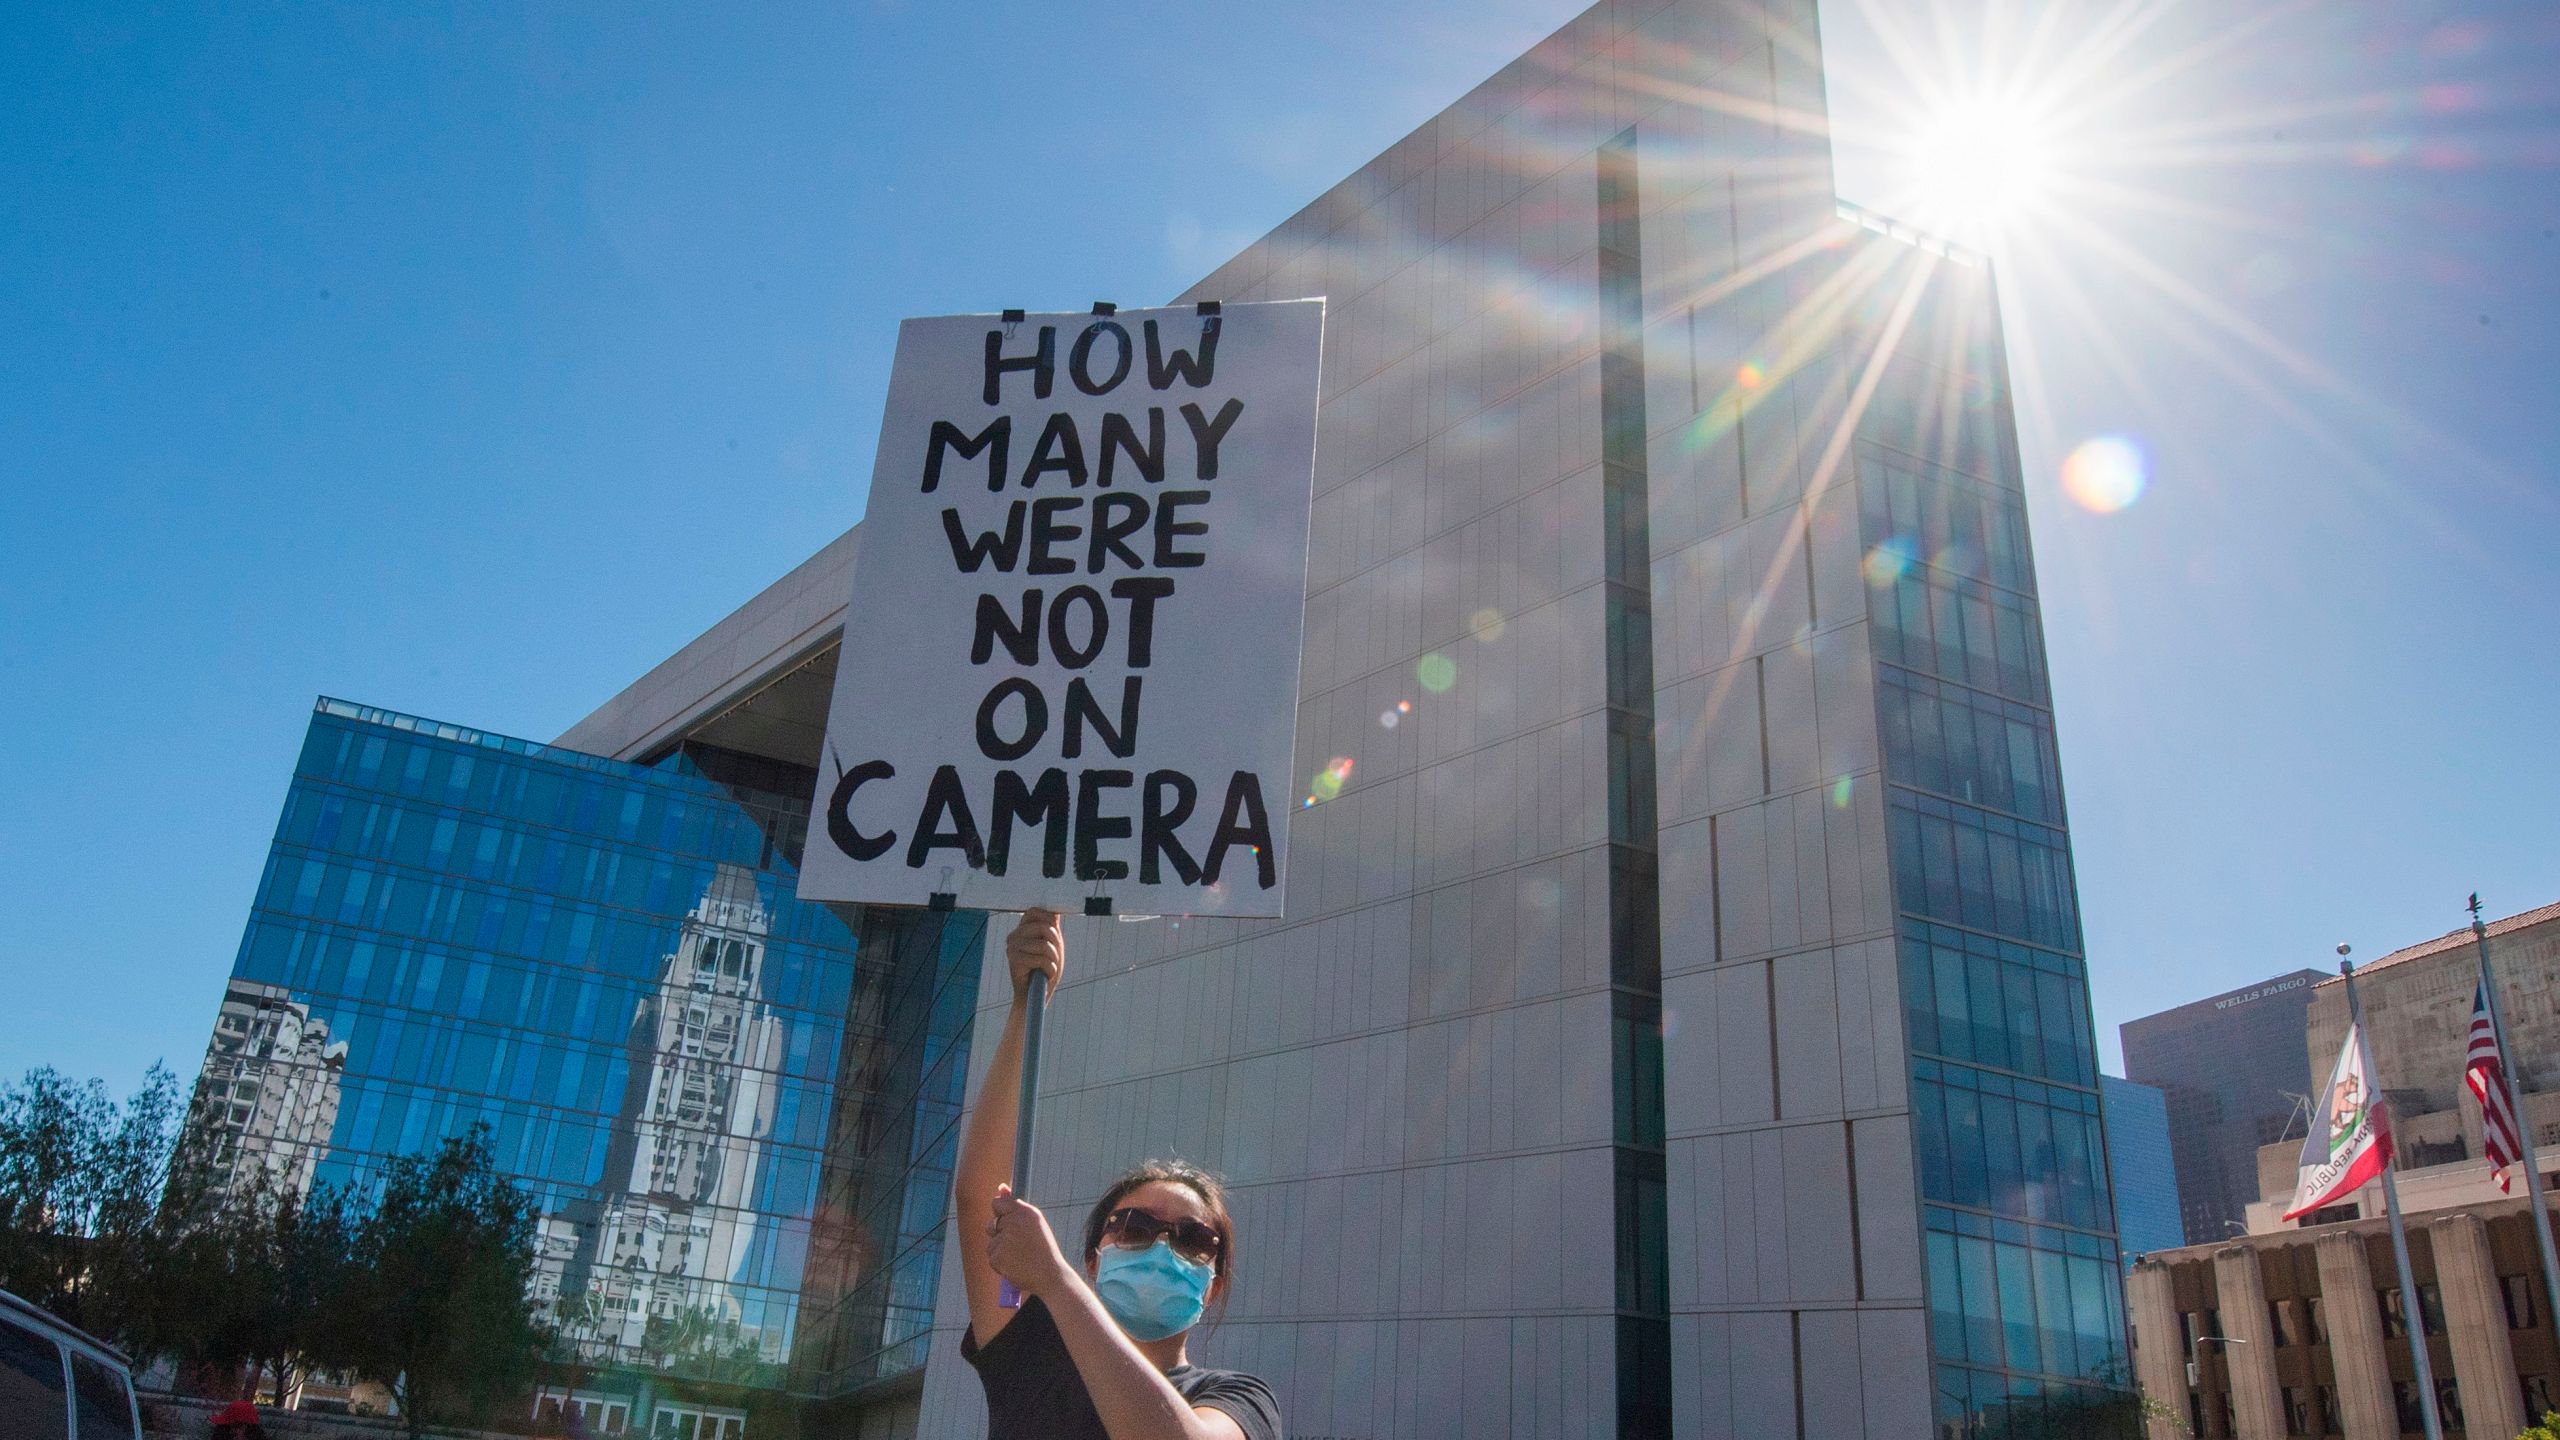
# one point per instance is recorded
(1329, 781)
(1714, 423)
(1486, 624)
(1750, 377)
(1888, 562)
(1436, 672)
(1389, 719)
(2106, 473)
(1840, 790)
(1404, 707)
(2378, 150)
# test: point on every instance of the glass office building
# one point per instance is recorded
(736, 1110)
(2144, 1166)
(2024, 1277)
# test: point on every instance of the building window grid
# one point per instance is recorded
(1984, 1136)
(1984, 871)
(2005, 1158)
(1969, 745)
(1907, 421)
(346, 902)
(1972, 1404)
(1961, 630)
(1996, 1005)
(578, 981)
(1945, 518)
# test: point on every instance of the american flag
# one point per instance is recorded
(2484, 1070)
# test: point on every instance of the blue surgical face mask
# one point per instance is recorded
(1153, 1293)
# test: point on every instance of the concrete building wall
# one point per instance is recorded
(1407, 1082)
(1795, 1268)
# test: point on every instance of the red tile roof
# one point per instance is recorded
(2453, 939)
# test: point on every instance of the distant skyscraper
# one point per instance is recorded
(2143, 1165)
(2232, 1067)
(695, 1118)
(268, 1095)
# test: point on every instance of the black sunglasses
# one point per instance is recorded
(1134, 1229)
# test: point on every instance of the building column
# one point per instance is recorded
(2355, 1339)
(2475, 1320)
(2158, 1367)
(2249, 1351)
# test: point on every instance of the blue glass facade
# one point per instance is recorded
(737, 1110)
(2024, 1285)
(2144, 1166)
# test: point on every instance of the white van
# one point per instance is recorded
(61, 1383)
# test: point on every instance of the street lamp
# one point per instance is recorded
(2203, 1340)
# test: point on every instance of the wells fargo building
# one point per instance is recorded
(1681, 1022)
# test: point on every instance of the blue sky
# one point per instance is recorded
(466, 365)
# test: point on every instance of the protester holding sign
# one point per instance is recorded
(1098, 1352)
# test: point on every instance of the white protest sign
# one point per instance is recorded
(1070, 666)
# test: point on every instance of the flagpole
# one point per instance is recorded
(2413, 1314)
(2508, 1078)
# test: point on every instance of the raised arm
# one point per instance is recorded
(986, 1146)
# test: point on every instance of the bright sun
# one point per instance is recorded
(1978, 167)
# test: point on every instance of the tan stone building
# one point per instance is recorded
(2301, 1333)
(2417, 1006)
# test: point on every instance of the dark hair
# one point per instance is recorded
(1213, 1196)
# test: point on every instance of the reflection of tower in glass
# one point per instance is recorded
(268, 1094)
(682, 1171)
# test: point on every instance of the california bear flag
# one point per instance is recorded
(2350, 1139)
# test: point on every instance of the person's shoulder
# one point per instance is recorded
(1244, 1398)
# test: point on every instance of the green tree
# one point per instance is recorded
(2549, 1429)
(704, 1344)
(445, 1314)
(81, 1178)
(205, 1280)
(294, 1258)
